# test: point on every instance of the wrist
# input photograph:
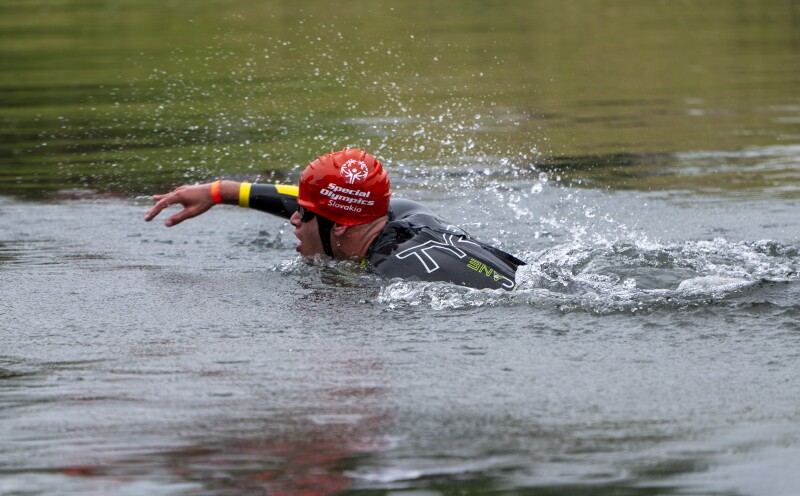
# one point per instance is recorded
(224, 191)
(216, 192)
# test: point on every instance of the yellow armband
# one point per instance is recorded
(244, 195)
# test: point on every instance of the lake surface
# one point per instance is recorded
(643, 157)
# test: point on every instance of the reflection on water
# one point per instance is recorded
(134, 97)
(304, 453)
(770, 172)
(307, 452)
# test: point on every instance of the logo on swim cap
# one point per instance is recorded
(354, 171)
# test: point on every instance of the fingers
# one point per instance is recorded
(195, 200)
(186, 213)
(163, 201)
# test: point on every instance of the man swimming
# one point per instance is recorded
(342, 209)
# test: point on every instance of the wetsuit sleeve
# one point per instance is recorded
(275, 199)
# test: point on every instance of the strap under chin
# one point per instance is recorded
(325, 226)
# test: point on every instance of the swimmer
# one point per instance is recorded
(341, 209)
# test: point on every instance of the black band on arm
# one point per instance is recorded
(276, 199)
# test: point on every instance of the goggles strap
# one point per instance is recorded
(325, 226)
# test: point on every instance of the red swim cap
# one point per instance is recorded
(348, 187)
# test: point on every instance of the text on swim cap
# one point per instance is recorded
(349, 208)
(332, 192)
(355, 192)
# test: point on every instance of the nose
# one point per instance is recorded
(295, 220)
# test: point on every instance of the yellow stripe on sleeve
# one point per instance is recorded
(244, 195)
(284, 189)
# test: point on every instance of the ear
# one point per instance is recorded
(339, 230)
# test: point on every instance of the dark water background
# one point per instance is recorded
(644, 157)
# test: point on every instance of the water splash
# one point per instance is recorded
(626, 278)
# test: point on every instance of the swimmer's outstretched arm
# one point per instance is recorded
(276, 199)
(196, 199)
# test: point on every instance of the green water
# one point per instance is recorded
(128, 96)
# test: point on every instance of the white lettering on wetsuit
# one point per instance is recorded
(421, 251)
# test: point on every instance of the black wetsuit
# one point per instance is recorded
(416, 245)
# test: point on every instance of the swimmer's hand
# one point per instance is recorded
(195, 199)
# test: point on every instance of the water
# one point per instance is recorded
(650, 348)
(656, 357)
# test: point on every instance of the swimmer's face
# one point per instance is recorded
(308, 233)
